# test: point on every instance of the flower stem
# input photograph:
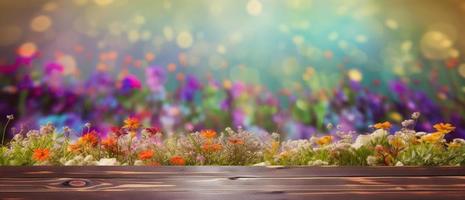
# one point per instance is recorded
(4, 130)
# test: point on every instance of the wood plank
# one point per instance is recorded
(232, 171)
(231, 182)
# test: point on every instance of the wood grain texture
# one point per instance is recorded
(212, 182)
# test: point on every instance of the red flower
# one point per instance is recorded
(152, 131)
(145, 155)
(177, 160)
(41, 154)
(118, 131)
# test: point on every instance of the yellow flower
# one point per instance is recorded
(444, 128)
(324, 140)
(397, 142)
(433, 137)
(131, 123)
(383, 125)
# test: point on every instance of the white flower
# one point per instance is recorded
(262, 164)
(89, 158)
(317, 163)
(108, 162)
(329, 126)
(342, 145)
(275, 136)
(419, 134)
(407, 123)
(379, 133)
(138, 163)
(78, 158)
(459, 140)
(416, 115)
(372, 160)
(18, 137)
(70, 162)
(361, 140)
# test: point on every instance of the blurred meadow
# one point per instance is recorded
(290, 67)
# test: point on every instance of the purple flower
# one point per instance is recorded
(129, 83)
(190, 88)
(156, 78)
(53, 67)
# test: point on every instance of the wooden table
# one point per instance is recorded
(223, 183)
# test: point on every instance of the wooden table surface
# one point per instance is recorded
(223, 183)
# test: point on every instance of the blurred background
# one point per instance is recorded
(265, 65)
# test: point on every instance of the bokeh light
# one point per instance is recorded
(27, 49)
(41, 23)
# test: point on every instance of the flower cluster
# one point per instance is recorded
(130, 144)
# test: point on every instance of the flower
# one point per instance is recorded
(177, 160)
(107, 162)
(109, 143)
(383, 125)
(10, 117)
(324, 140)
(41, 154)
(152, 131)
(236, 141)
(129, 83)
(432, 137)
(118, 131)
(74, 148)
(444, 128)
(361, 140)
(372, 160)
(90, 138)
(415, 115)
(211, 147)
(131, 123)
(209, 134)
(145, 155)
(397, 142)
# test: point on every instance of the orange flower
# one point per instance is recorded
(209, 134)
(131, 123)
(433, 137)
(41, 154)
(109, 143)
(236, 141)
(383, 125)
(211, 147)
(145, 155)
(444, 128)
(74, 147)
(89, 138)
(177, 160)
(324, 140)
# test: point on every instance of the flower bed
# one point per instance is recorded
(131, 144)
